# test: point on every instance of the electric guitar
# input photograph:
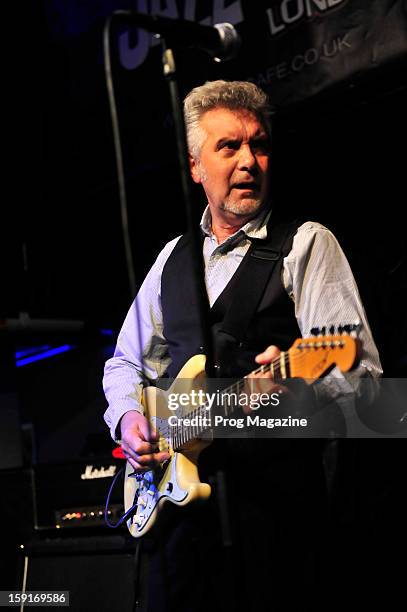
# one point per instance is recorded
(177, 479)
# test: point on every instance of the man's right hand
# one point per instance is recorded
(140, 442)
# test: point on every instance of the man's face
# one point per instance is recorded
(233, 164)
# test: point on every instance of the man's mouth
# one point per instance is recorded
(246, 186)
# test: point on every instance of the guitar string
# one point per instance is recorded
(183, 433)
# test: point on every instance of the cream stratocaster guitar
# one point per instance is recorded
(177, 479)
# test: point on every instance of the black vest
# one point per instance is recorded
(274, 321)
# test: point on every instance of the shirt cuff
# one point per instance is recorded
(113, 418)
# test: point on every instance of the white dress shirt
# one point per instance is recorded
(315, 274)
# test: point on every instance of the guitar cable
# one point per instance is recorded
(126, 515)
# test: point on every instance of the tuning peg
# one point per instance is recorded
(350, 329)
(355, 329)
(316, 331)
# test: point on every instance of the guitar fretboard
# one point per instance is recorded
(227, 405)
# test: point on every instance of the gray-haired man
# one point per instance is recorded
(275, 487)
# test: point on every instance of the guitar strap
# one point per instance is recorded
(259, 266)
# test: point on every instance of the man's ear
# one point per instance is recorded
(194, 169)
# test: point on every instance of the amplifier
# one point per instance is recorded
(101, 572)
(74, 494)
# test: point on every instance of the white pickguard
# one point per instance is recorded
(152, 488)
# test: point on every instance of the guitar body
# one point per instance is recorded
(177, 481)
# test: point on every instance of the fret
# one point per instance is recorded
(225, 405)
(195, 428)
(287, 364)
(282, 365)
(228, 405)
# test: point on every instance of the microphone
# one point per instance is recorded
(221, 41)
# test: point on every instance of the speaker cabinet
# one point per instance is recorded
(100, 572)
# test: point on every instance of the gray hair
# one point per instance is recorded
(233, 95)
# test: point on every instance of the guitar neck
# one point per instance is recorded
(308, 358)
(227, 403)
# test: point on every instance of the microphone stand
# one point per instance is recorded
(169, 70)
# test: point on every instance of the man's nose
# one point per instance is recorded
(247, 159)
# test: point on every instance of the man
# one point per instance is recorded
(310, 286)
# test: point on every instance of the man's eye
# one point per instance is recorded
(230, 144)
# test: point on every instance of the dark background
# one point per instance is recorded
(338, 157)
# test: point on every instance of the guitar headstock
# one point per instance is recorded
(310, 358)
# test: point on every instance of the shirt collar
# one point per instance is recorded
(255, 228)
